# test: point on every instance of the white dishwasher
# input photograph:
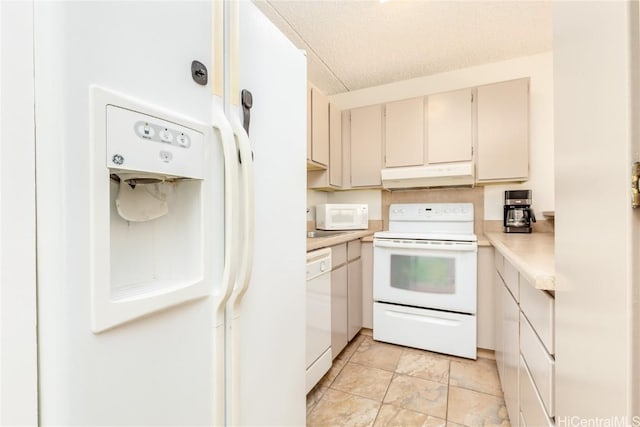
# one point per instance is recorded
(318, 337)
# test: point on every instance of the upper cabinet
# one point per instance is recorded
(503, 131)
(404, 133)
(450, 126)
(318, 130)
(326, 131)
(487, 125)
(335, 146)
(366, 146)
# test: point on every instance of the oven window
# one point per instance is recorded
(423, 274)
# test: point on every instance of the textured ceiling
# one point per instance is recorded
(357, 44)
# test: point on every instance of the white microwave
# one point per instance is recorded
(334, 216)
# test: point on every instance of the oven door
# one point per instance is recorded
(426, 273)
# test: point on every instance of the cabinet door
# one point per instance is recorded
(503, 131)
(366, 146)
(511, 341)
(308, 121)
(404, 133)
(319, 127)
(449, 126)
(329, 178)
(367, 285)
(355, 297)
(339, 310)
(498, 331)
(335, 146)
(486, 300)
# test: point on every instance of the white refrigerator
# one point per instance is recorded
(154, 210)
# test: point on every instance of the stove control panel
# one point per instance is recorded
(431, 212)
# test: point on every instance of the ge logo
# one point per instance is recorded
(117, 159)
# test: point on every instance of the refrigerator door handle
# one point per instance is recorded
(244, 271)
(247, 210)
(231, 203)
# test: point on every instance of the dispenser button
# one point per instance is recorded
(146, 131)
(166, 156)
(183, 140)
(166, 135)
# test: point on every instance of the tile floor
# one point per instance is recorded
(379, 384)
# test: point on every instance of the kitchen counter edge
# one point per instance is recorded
(347, 236)
(531, 254)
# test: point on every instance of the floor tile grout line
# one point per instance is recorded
(328, 386)
(355, 394)
(395, 374)
(478, 391)
(372, 367)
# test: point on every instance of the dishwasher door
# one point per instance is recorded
(318, 339)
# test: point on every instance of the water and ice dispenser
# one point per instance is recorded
(149, 202)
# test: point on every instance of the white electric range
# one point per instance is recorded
(425, 278)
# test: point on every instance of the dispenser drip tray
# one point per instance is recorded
(142, 198)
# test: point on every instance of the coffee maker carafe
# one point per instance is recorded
(518, 214)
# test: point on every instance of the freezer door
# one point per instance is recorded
(158, 368)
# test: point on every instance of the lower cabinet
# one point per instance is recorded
(346, 294)
(511, 352)
(522, 349)
(486, 298)
(339, 309)
(354, 297)
(497, 322)
(532, 411)
(367, 285)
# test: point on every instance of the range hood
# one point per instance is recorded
(440, 175)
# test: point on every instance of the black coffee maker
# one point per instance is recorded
(518, 214)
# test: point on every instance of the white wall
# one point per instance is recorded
(314, 198)
(18, 345)
(596, 75)
(539, 68)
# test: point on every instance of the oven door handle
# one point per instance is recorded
(454, 247)
(424, 318)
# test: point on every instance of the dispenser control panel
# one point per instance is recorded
(140, 142)
(152, 132)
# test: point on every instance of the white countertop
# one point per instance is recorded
(531, 254)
